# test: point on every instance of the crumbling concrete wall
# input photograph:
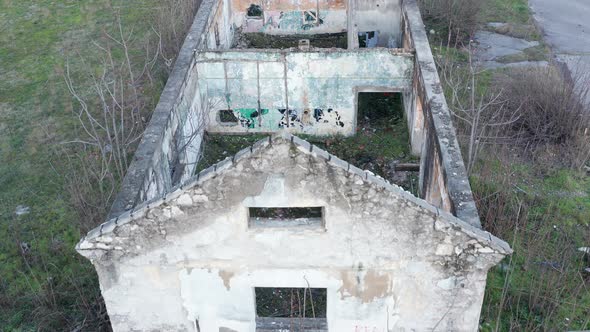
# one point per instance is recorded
(170, 145)
(311, 92)
(292, 16)
(220, 31)
(389, 261)
(320, 101)
(443, 178)
(178, 255)
(380, 16)
(169, 149)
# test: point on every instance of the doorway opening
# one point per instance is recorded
(376, 107)
(291, 309)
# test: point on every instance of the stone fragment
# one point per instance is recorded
(22, 210)
(184, 200)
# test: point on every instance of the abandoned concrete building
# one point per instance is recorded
(284, 234)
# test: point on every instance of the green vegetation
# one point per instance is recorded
(380, 142)
(262, 40)
(524, 184)
(523, 31)
(509, 11)
(44, 284)
(516, 16)
(545, 219)
(535, 53)
(217, 147)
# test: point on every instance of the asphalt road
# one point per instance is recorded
(566, 25)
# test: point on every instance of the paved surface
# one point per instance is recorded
(566, 25)
(493, 46)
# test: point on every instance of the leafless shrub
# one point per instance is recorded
(553, 112)
(172, 20)
(458, 19)
(534, 109)
(114, 107)
(481, 115)
(111, 114)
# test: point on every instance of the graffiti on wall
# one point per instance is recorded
(293, 118)
(325, 117)
(274, 119)
(250, 117)
(283, 20)
(290, 118)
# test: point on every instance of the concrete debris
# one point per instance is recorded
(25, 247)
(22, 210)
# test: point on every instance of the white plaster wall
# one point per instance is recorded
(415, 119)
(314, 80)
(388, 264)
(383, 16)
(144, 298)
(334, 21)
(221, 22)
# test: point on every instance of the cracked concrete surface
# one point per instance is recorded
(493, 46)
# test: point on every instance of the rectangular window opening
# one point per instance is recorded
(291, 309)
(254, 11)
(286, 216)
(368, 39)
(376, 107)
(227, 117)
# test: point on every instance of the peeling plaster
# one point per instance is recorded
(365, 285)
(226, 276)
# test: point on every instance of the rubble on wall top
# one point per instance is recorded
(305, 147)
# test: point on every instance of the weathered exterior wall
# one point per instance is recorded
(381, 16)
(220, 32)
(321, 85)
(389, 261)
(288, 17)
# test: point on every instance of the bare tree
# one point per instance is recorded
(110, 117)
(484, 113)
(172, 20)
(113, 110)
(457, 19)
(189, 139)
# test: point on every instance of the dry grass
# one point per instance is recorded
(457, 20)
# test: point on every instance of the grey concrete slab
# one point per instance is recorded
(520, 64)
(494, 45)
(491, 47)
